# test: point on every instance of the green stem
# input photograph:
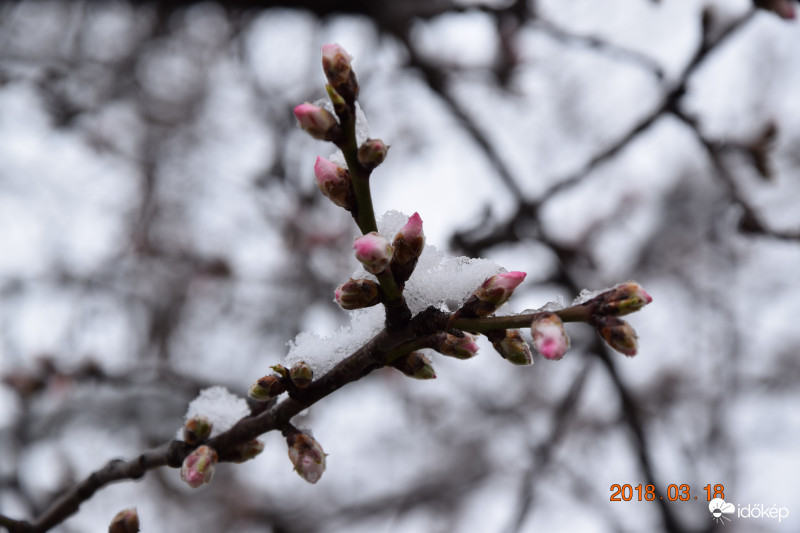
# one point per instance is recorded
(365, 214)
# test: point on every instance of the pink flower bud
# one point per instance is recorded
(415, 365)
(459, 347)
(618, 334)
(623, 299)
(198, 467)
(513, 348)
(247, 451)
(266, 388)
(372, 153)
(301, 375)
(409, 241)
(126, 521)
(493, 293)
(336, 63)
(306, 455)
(334, 182)
(358, 294)
(196, 430)
(374, 252)
(549, 336)
(317, 122)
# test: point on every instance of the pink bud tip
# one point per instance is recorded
(549, 336)
(318, 122)
(373, 251)
(413, 227)
(327, 172)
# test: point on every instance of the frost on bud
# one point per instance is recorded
(335, 183)
(306, 455)
(266, 388)
(549, 336)
(512, 347)
(623, 299)
(317, 122)
(198, 467)
(415, 365)
(338, 69)
(247, 451)
(493, 293)
(125, 521)
(301, 375)
(196, 429)
(374, 252)
(618, 334)
(783, 8)
(459, 347)
(372, 153)
(358, 294)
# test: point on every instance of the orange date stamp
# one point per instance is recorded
(674, 492)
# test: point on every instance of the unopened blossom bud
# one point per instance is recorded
(513, 348)
(334, 182)
(783, 8)
(301, 375)
(247, 451)
(493, 293)
(125, 521)
(306, 455)
(549, 336)
(459, 347)
(196, 430)
(266, 388)
(336, 63)
(198, 467)
(358, 294)
(409, 241)
(415, 365)
(317, 122)
(623, 299)
(372, 152)
(338, 69)
(374, 252)
(618, 334)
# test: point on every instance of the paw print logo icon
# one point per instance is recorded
(719, 508)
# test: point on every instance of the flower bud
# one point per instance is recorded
(334, 182)
(374, 252)
(338, 69)
(306, 455)
(198, 467)
(372, 153)
(623, 299)
(317, 122)
(513, 348)
(196, 430)
(126, 521)
(358, 294)
(618, 334)
(409, 241)
(415, 365)
(459, 347)
(549, 336)
(266, 388)
(336, 63)
(301, 375)
(247, 451)
(493, 293)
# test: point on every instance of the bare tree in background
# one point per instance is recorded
(163, 234)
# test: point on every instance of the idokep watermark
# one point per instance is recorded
(722, 511)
